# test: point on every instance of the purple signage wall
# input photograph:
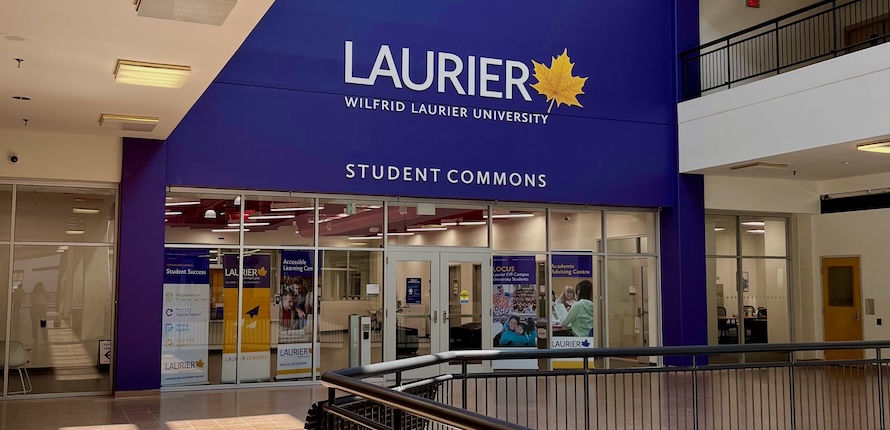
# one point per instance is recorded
(461, 99)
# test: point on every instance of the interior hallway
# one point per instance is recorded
(245, 409)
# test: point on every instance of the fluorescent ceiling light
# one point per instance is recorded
(181, 203)
(757, 231)
(85, 211)
(519, 215)
(248, 224)
(397, 234)
(374, 207)
(213, 251)
(472, 223)
(151, 74)
(308, 208)
(74, 231)
(227, 230)
(719, 229)
(760, 164)
(365, 238)
(172, 213)
(754, 223)
(427, 229)
(881, 147)
(449, 224)
(128, 122)
(272, 216)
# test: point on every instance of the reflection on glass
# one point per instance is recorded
(413, 280)
(762, 236)
(60, 214)
(351, 284)
(5, 211)
(519, 229)
(630, 232)
(437, 225)
(347, 223)
(465, 306)
(720, 235)
(18, 299)
(632, 287)
(278, 221)
(63, 312)
(210, 219)
(571, 231)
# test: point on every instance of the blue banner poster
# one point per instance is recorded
(412, 295)
(514, 306)
(186, 317)
(571, 315)
(296, 316)
(254, 318)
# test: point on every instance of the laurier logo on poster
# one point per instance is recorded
(446, 72)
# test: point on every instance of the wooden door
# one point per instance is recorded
(842, 302)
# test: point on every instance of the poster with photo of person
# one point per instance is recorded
(514, 301)
(296, 351)
(571, 314)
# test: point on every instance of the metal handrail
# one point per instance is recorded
(351, 380)
(764, 24)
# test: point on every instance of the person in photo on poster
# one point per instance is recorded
(580, 317)
(567, 298)
(515, 315)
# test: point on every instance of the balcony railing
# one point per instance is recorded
(785, 389)
(823, 30)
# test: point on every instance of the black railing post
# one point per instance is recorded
(587, 393)
(332, 396)
(463, 394)
(728, 66)
(834, 49)
(792, 391)
(778, 56)
(694, 391)
(880, 386)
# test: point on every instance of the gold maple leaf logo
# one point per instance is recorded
(200, 363)
(262, 271)
(557, 83)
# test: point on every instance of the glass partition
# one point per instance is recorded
(202, 219)
(519, 229)
(431, 224)
(60, 214)
(576, 230)
(278, 221)
(344, 223)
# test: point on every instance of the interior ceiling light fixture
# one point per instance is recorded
(276, 208)
(74, 232)
(880, 147)
(85, 211)
(172, 213)
(181, 203)
(754, 223)
(757, 231)
(151, 74)
(249, 224)
(365, 238)
(128, 122)
(427, 229)
(761, 165)
(516, 215)
(472, 223)
(210, 214)
(719, 229)
(227, 230)
(261, 216)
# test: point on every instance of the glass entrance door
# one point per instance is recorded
(434, 303)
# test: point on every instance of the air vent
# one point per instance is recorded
(211, 12)
(760, 165)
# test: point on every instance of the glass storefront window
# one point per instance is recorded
(344, 223)
(437, 225)
(763, 236)
(630, 232)
(61, 315)
(202, 219)
(631, 304)
(5, 211)
(576, 230)
(278, 221)
(57, 214)
(351, 283)
(720, 235)
(518, 229)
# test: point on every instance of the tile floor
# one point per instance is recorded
(267, 409)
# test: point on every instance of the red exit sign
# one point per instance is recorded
(753, 3)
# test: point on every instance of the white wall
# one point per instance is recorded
(835, 101)
(60, 156)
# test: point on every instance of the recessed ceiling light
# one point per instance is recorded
(845, 162)
(172, 213)
(719, 229)
(757, 231)
(394, 233)
(365, 238)
(85, 211)
(260, 216)
(881, 147)
(227, 230)
(510, 215)
(181, 203)
(151, 74)
(472, 223)
(17, 37)
(74, 232)
(286, 209)
(427, 229)
(249, 224)
(22, 98)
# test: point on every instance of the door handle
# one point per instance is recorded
(435, 317)
(445, 316)
(856, 317)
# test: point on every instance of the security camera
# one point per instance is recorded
(568, 218)
(13, 158)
